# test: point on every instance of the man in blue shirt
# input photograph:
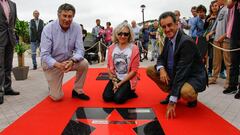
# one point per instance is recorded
(198, 22)
(62, 51)
(192, 32)
(198, 27)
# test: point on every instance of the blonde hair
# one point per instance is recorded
(119, 29)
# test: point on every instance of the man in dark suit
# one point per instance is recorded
(8, 16)
(179, 69)
(36, 27)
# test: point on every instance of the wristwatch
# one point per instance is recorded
(171, 103)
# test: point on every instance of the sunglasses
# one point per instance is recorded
(123, 34)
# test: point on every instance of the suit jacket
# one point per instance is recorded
(96, 33)
(188, 65)
(7, 28)
(35, 33)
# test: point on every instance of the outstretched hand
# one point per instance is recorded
(171, 111)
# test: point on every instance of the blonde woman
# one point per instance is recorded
(123, 63)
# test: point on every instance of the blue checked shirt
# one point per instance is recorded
(58, 45)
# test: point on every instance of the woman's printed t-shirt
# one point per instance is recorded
(121, 60)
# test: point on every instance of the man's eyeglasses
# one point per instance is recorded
(123, 34)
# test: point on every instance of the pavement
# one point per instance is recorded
(34, 90)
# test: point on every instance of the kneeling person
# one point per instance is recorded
(179, 69)
(62, 51)
(123, 63)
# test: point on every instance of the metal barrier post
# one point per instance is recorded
(99, 50)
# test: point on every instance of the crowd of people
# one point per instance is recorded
(182, 59)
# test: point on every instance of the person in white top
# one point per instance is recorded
(123, 64)
(136, 31)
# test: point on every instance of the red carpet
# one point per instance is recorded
(50, 118)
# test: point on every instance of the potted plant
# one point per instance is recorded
(21, 71)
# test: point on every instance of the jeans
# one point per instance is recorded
(155, 48)
(140, 47)
(34, 46)
(145, 47)
(120, 96)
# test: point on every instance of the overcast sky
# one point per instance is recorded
(115, 11)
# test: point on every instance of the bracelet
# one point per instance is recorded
(115, 80)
